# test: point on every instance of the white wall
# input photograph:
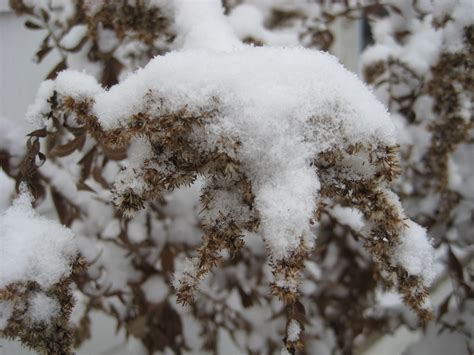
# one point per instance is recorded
(19, 74)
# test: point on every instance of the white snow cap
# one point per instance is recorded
(33, 248)
(284, 105)
(202, 24)
(294, 330)
(415, 253)
(42, 308)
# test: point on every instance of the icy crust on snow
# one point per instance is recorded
(284, 105)
(33, 248)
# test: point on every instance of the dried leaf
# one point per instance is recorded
(66, 212)
(86, 163)
(97, 175)
(45, 48)
(112, 69)
(82, 186)
(167, 259)
(455, 265)
(62, 65)
(66, 149)
(443, 307)
(38, 133)
(115, 153)
(137, 327)
(33, 26)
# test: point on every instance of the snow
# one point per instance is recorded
(77, 85)
(348, 216)
(284, 105)
(42, 308)
(6, 309)
(155, 289)
(415, 253)
(283, 120)
(33, 248)
(185, 271)
(74, 36)
(420, 50)
(461, 17)
(247, 22)
(39, 109)
(202, 25)
(12, 138)
(7, 188)
(294, 330)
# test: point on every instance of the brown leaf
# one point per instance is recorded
(65, 210)
(38, 133)
(115, 153)
(97, 175)
(455, 265)
(246, 299)
(62, 65)
(45, 15)
(137, 327)
(82, 186)
(45, 48)
(66, 149)
(444, 306)
(33, 26)
(167, 259)
(171, 318)
(86, 163)
(112, 69)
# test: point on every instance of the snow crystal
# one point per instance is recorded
(415, 253)
(294, 330)
(33, 247)
(42, 308)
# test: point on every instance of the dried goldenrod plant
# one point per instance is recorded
(232, 147)
(422, 66)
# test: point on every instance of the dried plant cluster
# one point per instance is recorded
(430, 93)
(133, 250)
(113, 36)
(51, 336)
